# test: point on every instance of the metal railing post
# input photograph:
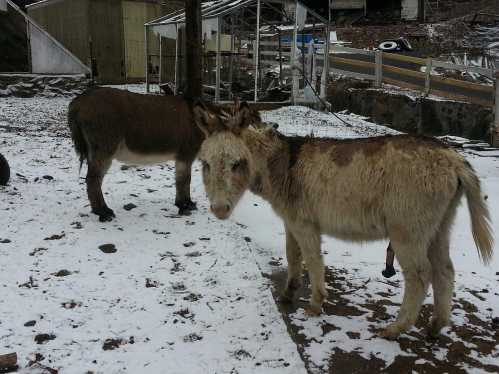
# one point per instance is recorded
(429, 64)
(378, 69)
(495, 127)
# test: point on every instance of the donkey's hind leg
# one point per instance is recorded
(294, 257)
(97, 169)
(183, 187)
(442, 272)
(412, 257)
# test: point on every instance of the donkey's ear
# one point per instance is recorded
(207, 122)
(243, 115)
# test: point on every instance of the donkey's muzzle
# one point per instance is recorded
(221, 211)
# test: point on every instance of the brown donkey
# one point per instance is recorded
(136, 129)
(404, 188)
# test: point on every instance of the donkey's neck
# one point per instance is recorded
(270, 174)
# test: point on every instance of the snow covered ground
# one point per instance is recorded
(194, 294)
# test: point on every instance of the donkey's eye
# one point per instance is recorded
(238, 165)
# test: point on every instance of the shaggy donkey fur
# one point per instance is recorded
(404, 188)
(4, 171)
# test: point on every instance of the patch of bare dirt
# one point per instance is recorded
(476, 338)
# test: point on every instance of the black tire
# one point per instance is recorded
(4, 171)
(388, 45)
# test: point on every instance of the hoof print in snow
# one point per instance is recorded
(5, 241)
(193, 254)
(125, 167)
(62, 273)
(56, 237)
(353, 335)
(37, 250)
(495, 322)
(247, 239)
(108, 248)
(150, 190)
(189, 244)
(276, 261)
(43, 338)
(204, 238)
(110, 344)
(70, 304)
(48, 177)
(193, 297)
(77, 225)
(30, 323)
(242, 354)
(191, 338)
(151, 284)
(129, 206)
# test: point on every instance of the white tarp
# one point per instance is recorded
(301, 16)
(3, 5)
(49, 57)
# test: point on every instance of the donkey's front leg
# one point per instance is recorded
(294, 257)
(183, 187)
(309, 241)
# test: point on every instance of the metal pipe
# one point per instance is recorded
(217, 78)
(147, 57)
(495, 130)
(257, 48)
(160, 60)
(175, 91)
(293, 56)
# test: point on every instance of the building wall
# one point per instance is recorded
(410, 9)
(66, 21)
(106, 32)
(135, 15)
(349, 4)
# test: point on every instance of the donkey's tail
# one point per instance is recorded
(76, 133)
(480, 217)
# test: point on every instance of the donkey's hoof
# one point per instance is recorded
(105, 214)
(389, 271)
(286, 297)
(313, 310)
(391, 332)
(433, 331)
(185, 207)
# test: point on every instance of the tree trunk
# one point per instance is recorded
(193, 28)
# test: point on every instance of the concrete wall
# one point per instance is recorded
(404, 113)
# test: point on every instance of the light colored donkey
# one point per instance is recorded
(404, 188)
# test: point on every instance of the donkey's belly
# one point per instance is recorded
(353, 227)
(125, 155)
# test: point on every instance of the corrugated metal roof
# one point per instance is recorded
(213, 9)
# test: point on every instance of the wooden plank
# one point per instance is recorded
(402, 71)
(463, 84)
(347, 61)
(336, 48)
(393, 56)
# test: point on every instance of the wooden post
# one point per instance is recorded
(193, 30)
(378, 69)
(428, 75)
(495, 129)
(257, 48)
(146, 38)
(219, 61)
